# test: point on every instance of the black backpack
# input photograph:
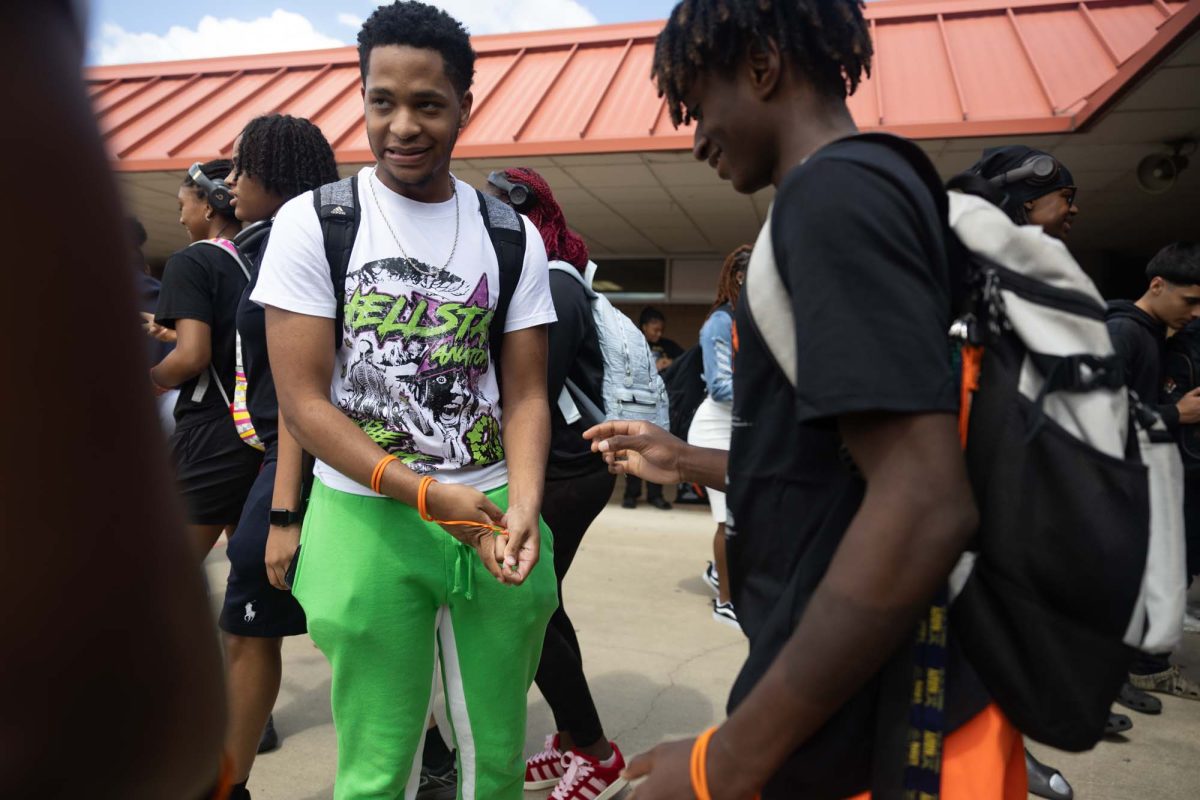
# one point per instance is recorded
(1050, 597)
(685, 389)
(338, 209)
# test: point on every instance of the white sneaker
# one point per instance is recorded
(711, 577)
(1191, 622)
(723, 612)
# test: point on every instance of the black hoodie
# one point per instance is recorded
(1140, 341)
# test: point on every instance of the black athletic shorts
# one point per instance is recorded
(215, 470)
(253, 607)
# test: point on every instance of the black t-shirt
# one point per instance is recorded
(203, 282)
(574, 353)
(261, 401)
(858, 242)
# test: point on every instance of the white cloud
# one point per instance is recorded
(286, 30)
(505, 16)
(282, 30)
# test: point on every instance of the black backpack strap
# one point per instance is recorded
(507, 232)
(337, 209)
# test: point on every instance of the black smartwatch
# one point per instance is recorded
(284, 518)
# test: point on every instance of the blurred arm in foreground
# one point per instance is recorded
(110, 682)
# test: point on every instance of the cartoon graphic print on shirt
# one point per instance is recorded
(413, 382)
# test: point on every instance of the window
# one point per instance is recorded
(632, 279)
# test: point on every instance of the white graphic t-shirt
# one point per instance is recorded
(414, 370)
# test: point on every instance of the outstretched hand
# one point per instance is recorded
(638, 448)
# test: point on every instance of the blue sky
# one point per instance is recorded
(124, 31)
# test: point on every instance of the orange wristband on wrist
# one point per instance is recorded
(423, 511)
(422, 494)
(377, 474)
(699, 764)
(224, 780)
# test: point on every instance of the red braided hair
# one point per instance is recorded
(562, 243)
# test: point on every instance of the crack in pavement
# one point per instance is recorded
(671, 684)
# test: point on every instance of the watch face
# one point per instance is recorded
(282, 517)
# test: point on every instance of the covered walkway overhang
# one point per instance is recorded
(1100, 83)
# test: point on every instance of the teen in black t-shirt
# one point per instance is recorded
(849, 497)
(276, 157)
(201, 287)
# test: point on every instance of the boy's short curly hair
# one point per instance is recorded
(419, 25)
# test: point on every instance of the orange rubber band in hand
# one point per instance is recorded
(423, 511)
(377, 474)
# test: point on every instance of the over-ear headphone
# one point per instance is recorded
(520, 195)
(217, 192)
(1037, 170)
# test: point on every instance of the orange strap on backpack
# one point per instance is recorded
(972, 361)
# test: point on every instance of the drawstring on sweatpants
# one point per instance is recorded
(464, 571)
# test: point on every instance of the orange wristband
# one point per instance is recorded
(377, 474)
(699, 764)
(422, 493)
(225, 779)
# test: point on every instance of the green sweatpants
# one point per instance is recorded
(387, 597)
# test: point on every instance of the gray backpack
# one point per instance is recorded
(632, 387)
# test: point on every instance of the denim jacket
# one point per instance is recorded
(716, 345)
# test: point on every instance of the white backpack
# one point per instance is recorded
(632, 388)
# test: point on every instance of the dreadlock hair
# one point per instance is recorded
(419, 25)
(826, 41)
(215, 170)
(728, 289)
(287, 155)
(562, 243)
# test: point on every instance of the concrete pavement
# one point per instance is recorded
(660, 667)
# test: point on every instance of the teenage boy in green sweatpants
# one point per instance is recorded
(388, 594)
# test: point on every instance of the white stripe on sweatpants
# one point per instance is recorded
(456, 705)
(414, 775)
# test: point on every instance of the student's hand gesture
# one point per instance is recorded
(281, 549)
(156, 331)
(667, 772)
(1189, 407)
(638, 448)
(454, 501)
(522, 546)
(666, 769)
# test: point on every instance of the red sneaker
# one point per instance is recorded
(590, 778)
(546, 768)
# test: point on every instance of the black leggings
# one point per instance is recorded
(569, 507)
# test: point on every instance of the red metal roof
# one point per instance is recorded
(943, 68)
